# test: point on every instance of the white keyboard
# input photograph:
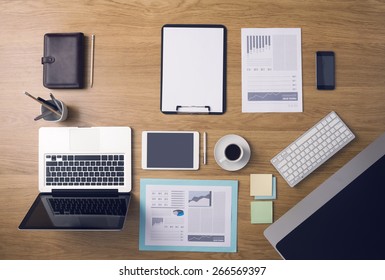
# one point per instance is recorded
(312, 149)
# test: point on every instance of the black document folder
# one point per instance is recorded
(193, 74)
(63, 60)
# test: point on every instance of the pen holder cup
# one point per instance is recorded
(52, 117)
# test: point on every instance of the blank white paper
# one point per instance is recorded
(192, 68)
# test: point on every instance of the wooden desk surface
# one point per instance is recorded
(126, 92)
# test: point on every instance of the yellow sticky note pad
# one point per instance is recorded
(261, 212)
(261, 185)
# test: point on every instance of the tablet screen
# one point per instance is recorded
(170, 150)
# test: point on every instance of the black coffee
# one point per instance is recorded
(233, 152)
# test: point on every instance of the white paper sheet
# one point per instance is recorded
(271, 70)
(193, 69)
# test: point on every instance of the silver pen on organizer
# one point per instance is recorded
(92, 60)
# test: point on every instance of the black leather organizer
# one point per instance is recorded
(63, 60)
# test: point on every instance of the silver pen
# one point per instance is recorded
(92, 60)
(204, 147)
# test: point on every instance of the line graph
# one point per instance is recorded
(206, 238)
(199, 199)
(272, 96)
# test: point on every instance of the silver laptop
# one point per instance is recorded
(85, 177)
(341, 219)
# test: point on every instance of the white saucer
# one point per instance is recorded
(223, 143)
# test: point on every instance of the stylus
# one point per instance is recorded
(204, 147)
(92, 60)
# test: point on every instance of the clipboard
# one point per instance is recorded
(193, 69)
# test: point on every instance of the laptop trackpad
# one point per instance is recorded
(84, 140)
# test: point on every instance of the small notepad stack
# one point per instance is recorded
(263, 187)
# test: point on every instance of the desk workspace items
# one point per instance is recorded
(47, 114)
(170, 150)
(263, 186)
(341, 219)
(325, 68)
(204, 147)
(271, 70)
(261, 212)
(188, 215)
(63, 60)
(92, 59)
(193, 71)
(46, 107)
(84, 179)
(232, 152)
(312, 149)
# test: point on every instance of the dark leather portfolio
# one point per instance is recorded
(63, 60)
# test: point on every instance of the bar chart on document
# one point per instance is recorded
(271, 70)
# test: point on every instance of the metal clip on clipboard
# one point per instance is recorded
(192, 109)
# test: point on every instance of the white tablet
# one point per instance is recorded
(170, 150)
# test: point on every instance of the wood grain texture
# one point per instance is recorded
(126, 92)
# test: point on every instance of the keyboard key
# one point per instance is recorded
(87, 157)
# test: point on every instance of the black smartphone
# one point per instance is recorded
(325, 68)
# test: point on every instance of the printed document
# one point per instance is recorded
(271, 70)
(188, 215)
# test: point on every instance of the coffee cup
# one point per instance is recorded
(232, 153)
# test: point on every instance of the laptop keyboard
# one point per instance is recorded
(88, 206)
(84, 170)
